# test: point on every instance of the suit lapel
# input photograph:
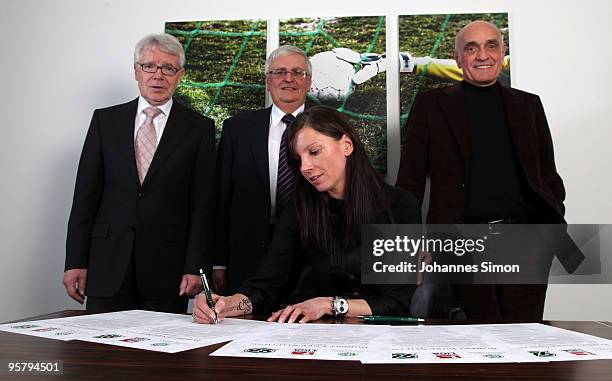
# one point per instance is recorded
(173, 132)
(259, 131)
(124, 128)
(453, 108)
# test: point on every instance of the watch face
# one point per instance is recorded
(342, 306)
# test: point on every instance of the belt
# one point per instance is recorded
(495, 227)
(513, 220)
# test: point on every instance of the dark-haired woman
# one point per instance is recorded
(336, 191)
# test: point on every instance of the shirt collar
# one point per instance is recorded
(143, 104)
(277, 114)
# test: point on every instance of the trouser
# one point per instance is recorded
(514, 296)
(128, 297)
(523, 302)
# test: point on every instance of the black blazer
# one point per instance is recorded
(437, 144)
(166, 222)
(286, 248)
(243, 221)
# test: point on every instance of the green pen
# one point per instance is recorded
(390, 319)
(209, 300)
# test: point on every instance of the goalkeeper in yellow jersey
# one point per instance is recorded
(446, 69)
(334, 72)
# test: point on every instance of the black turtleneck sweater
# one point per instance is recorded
(495, 187)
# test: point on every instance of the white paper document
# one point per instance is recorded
(306, 341)
(46, 328)
(484, 344)
(74, 327)
(548, 343)
(157, 331)
(370, 344)
(70, 328)
(179, 335)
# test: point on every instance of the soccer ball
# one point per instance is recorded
(331, 77)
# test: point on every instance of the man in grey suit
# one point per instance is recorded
(143, 209)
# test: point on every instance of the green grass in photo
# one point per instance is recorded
(434, 36)
(365, 104)
(224, 66)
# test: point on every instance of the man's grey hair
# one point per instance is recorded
(165, 42)
(462, 30)
(287, 50)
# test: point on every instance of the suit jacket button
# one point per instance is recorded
(132, 228)
(458, 219)
(352, 277)
(462, 187)
(140, 194)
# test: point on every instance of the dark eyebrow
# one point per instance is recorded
(470, 44)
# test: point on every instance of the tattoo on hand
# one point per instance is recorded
(245, 306)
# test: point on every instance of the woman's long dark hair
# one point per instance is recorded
(363, 189)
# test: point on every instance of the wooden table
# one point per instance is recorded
(90, 361)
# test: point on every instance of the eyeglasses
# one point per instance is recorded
(282, 73)
(152, 68)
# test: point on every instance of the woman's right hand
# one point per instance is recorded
(225, 306)
(203, 314)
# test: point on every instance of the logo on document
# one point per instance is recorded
(493, 355)
(134, 339)
(259, 350)
(107, 336)
(300, 352)
(45, 329)
(578, 352)
(542, 353)
(24, 326)
(347, 354)
(404, 356)
(160, 344)
(447, 355)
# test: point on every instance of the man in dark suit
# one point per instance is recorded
(143, 209)
(488, 152)
(251, 193)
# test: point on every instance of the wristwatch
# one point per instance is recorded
(340, 306)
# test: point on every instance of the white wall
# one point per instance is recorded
(62, 59)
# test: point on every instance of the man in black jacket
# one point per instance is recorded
(488, 152)
(249, 173)
(143, 209)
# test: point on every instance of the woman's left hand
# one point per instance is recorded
(311, 309)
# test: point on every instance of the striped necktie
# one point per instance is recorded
(284, 184)
(146, 143)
